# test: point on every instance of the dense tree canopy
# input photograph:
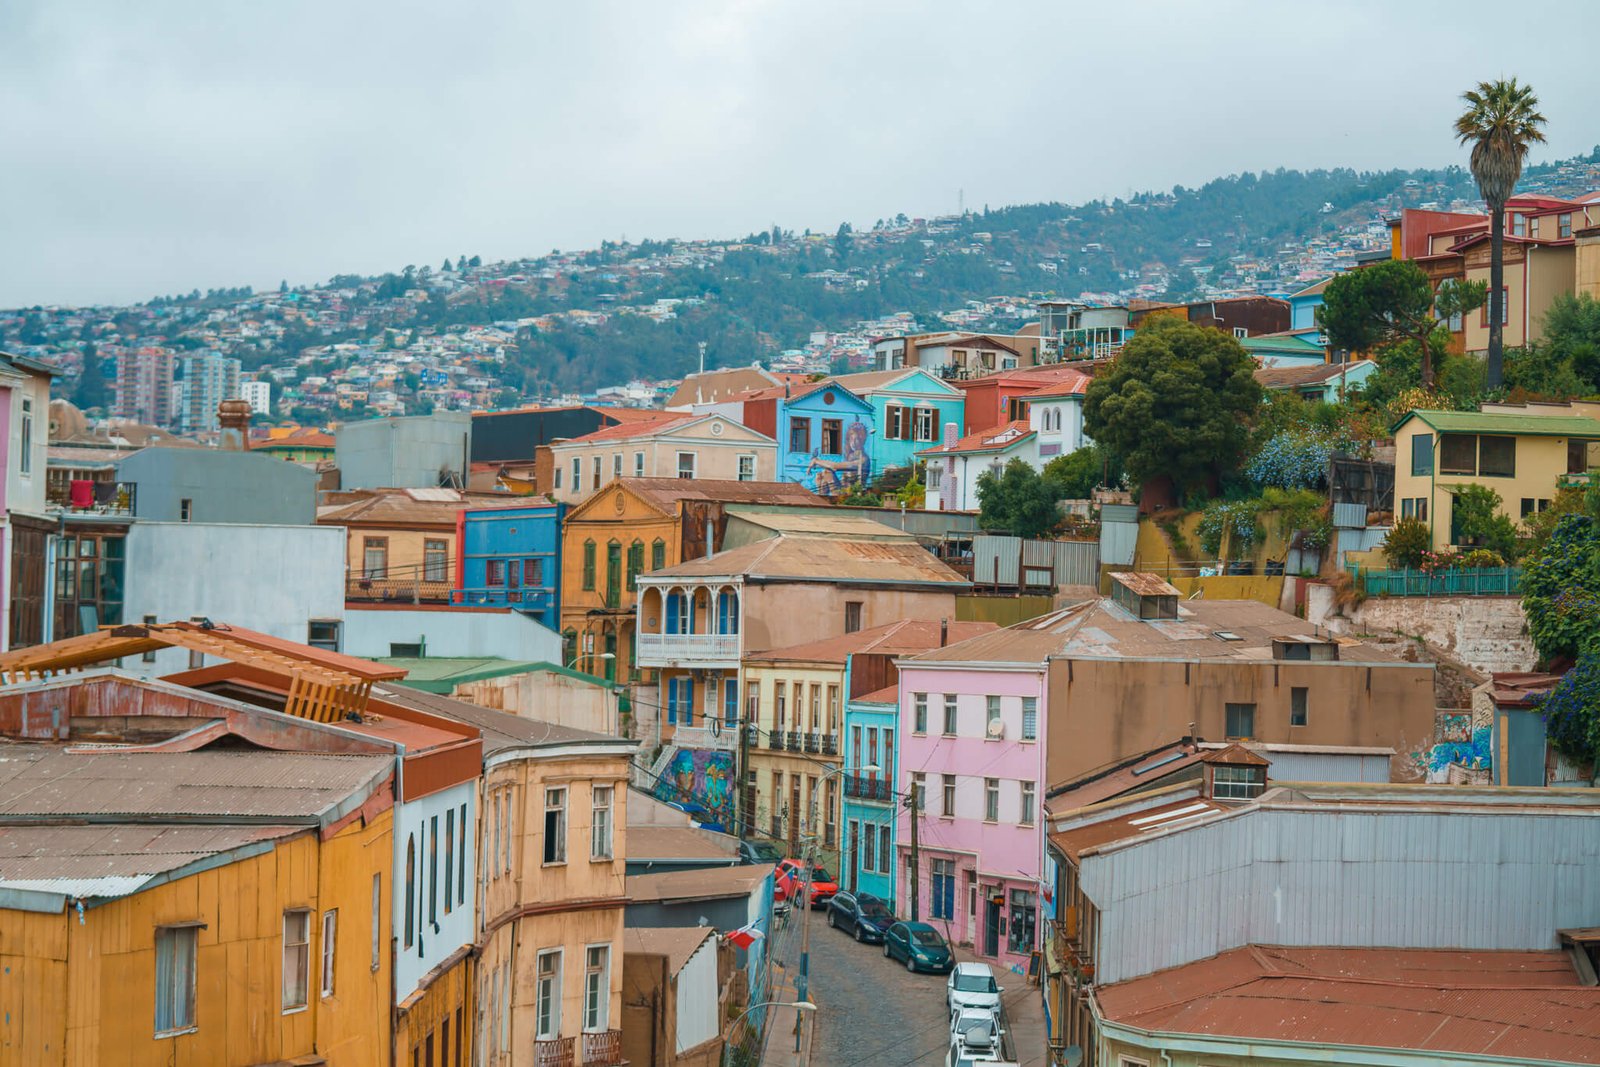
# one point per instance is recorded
(1018, 500)
(1179, 400)
(1391, 302)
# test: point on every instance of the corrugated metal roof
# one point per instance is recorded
(1501, 422)
(664, 492)
(900, 638)
(50, 780)
(819, 559)
(709, 883)
(677, 943)
(500, 730)
(1523, 1005)
(111, 861)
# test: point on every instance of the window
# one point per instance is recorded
(1458, 453)
(832, 437)
(934, 473)
(991, 800)
(686, 465)
(885, 850)
(1422, 455)
(1497, 456)
(595, 468)
(616, 465)
(533, 573)
(799, 434)
(1026, 818)
(149, 657)
(1533, 505)
(555, 482)
(577, 474)
(1030, 718)
(1237, 783)
(869, 848)
(1505, 309)
(1519, 224)
(894, 420)
(1297, 705)
(596, 988)
(433, 872)
(25, 461)
(947, 788)
(435, 561)
(374, 556)
(919, 713)
(330, 925)
(943, 897)
(588, 565)
(175, 978)
(1564, 224)
(555, 826)
(324, 634)
(852, 616)
(411, 881)
(730, 702)
(600, 827)
(1241, 720)
(186, 510)
(1024, 919)
(919, 790)
(296, 958)
(449, 854)
(747, 468)
(494, 573)
(925, 423)
(638, 464)
(1414, 508)
(993, 704)
(547, 996)
(377, 919)
(950, 715)
(1241, 332)
(461, 854)
(658, 554)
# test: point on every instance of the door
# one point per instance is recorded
(611, 661)
(855, 853)
(613, 575)
(991, 924)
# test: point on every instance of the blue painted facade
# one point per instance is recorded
(1303, 309)
(824, 439)
(869, 799)
(511, 557)
(909, 413)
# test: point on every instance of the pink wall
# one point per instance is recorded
(1003, 854)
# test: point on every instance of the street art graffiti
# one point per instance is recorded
(1474, 755)
(699, 776)
(829, 477)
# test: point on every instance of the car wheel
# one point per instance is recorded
(886, 951)
(832, 923)
(911, 965)
(858, 933)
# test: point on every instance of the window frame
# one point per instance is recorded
(692, 468)
(1299, 704)
(1237, 708)
(1422, 455)
(596, 989)
(919, 713)
(435, 559)
(1030, 719)
(1028, 798)
(947, 796)
(600, 821)
(298, 955)
(554, 853)
(799, 434)
(182, 941)
(747, 467)
(951, 716)
(330, 941)
(991, 800)
(547, 998)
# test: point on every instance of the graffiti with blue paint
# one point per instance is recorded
(699, 776)
(1475, 754)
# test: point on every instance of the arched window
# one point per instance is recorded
(588, 565)
(658, 554)
(411, 881)
(635, 563)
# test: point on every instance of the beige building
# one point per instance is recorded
(1526, 455)
(705, 446)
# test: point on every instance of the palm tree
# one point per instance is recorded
(1502, 119)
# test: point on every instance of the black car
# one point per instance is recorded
(763, 852)
(864, 915)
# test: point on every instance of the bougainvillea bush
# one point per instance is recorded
(1572, 711)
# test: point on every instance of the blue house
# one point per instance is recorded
(1303, 310)
(511, 557)
(909, 407)
(824, 434)
(867, 855)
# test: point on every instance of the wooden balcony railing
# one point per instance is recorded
(554, 1052)
(602, 1048)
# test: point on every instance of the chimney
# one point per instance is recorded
(944, 632)
(234, 417)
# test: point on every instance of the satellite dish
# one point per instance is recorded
(1072, 1056)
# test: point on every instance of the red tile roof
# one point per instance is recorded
(984, 440)
(1076, 385)
(633, 428)
(1514, 1004)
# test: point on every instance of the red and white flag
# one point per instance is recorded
(745, 936)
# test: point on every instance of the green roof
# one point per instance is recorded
(1288, 342)
(441, 674)
(1504, 422)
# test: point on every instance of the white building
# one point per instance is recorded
(953, 469)
(258, 395)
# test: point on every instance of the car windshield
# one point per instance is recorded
(763, 851)
(820, 874)
(874, 909)
(975, 983)
(927, 937)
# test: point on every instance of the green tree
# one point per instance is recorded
(1178, 400)
(1390, 302)
(92, 390)
(842, 241)
(1501, 121)
(1079, 473)
(1572, 334)
(1561, 589)
(1479, 519)
(1018, 500)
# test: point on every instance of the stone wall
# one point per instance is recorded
(1486, 633)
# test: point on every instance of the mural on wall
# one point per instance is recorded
(1473, 758)
(700, 776)
(829, 477)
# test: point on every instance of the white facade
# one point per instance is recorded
(498, 632)
(952, 477)
(28, 397)
(1058, 423)
(697, 997)
(274, 579)
(258, 395)
(435, 874)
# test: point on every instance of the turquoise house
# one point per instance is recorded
(868, 850)
(909, 409)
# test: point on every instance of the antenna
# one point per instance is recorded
(961, 201)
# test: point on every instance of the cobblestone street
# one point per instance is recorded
(870, 1010)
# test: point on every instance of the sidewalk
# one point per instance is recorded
(780, 1050)
(1022, 1006)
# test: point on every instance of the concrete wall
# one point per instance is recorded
(549, 696)
(500, 632)
(411, 452)
(274, 579)
(233, 487)
(1487, 633)
(697, 997)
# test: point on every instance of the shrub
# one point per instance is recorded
(1293, 459)
(1480, 558)
(1480, 521)
(1572, 711)
(1238, 518)
(1408, 542)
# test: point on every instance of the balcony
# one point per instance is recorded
(752, 736)
(775, 740)
(830, 744)
(813, 743)
(866, 787)
(1575, 480)
(793, 741)
(673, 650)
(705, 733)
(427, 583)
(554, 1052)
(602, 1049)
(92, 497)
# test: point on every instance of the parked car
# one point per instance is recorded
(865, 916)
(975, 1031)
(921, 947)
(791, 882)
(972, 985)
(763, 852)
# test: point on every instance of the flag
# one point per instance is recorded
(744, 937)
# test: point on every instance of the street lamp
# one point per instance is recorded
(590, 655)
(801, 986)
(797, 1005)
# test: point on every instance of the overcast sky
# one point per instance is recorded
(155, 147)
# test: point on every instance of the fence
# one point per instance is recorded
(1481, 581)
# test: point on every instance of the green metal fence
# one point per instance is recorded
(1482, 581)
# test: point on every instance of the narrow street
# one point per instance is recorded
(871, 1010)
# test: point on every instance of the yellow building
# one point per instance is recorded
(690, 447)
(1523, 456)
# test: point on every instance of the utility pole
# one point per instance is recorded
(916, 865)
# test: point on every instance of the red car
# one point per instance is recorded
(790, 883)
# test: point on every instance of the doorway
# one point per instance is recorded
(855, 854)
(992, 903)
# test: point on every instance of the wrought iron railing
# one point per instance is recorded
(602, 1048)
(813, 743)
(830, 744)
(554, 1052)
(423, 583)
(775, 740)
(793, 740)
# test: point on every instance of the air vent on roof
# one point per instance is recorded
(1227, 635)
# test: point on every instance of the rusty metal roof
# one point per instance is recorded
(820, 559)
(1516, 1005)
(1138, 818)
(501, 730)
(414, 507)
(709, 883)
(664, 492)
(900, 638)
(1143, 583)
(677, 943)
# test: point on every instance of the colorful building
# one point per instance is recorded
(867, 863)
(511, 557)
(953, 468)
(909, 407)
(689, 447)
(823, 431)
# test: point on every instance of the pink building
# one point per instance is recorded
(972, 720)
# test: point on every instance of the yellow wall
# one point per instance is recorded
(1587, 273)
(441, 1011)
(405, 549)
(89, 993)
(811, 766)
(1001, 610)
(716, 456)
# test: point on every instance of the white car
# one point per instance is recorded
(975, 1031)
(972, 985)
